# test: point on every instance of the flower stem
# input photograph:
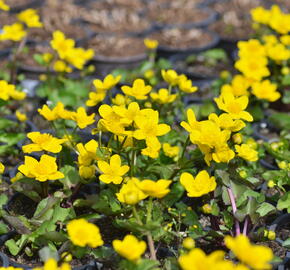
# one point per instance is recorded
(234, 206)
(245, 229)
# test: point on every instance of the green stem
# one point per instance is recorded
(44, 187)
(135, 213)
(184, 147)
(149, 210)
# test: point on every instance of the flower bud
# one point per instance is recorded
(206, 209)
(87, 172)
(131, 198)
(243, 174)
(188, 243)
(238, 138)
(271, 184)
(282, 165)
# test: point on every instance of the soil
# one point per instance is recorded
(235, 22)
(117, 20)
(117, 46)
(17, 3)
(182, 39)
(180, 2)
(28, 59)
(110, 4)
(199, 66)
(177, 14)
(64, 17)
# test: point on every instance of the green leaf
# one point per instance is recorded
(71, 176)
(286, 243)
(13, 248)
(44, 210)
(3, 200)
(284, 202)
(6, 123)
(265, 209)
(286, 80)
(174, 195)
(280, 120)
(3, 228)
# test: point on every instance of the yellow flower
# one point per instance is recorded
(21, 116)
(61, 66)
(30, 18)
(113, 172)
(17, 177)
(129, 115)
(192, 123)
(87, 172)
(278, 52)
(170, 151)
(256, 257)
(110, 121)
(95, 98)
(108, 83)
(170, 76)
(246, 152)
(47, 57)
(254, 68)
(78, 57)
(82, 119)
(285, 39)
(148, 126)
(163, 96)
(4, 6)
(120, 100)
(151, 44)
(43, 142)
(153, 147)
(2, 168)
(130, 248)
(58, 112)
(226, 121)
(188, 243)
(185, 85)
(82, 233)
(43, 170)
(196, 259)
(50, 264)
(87, 153)
(61, 44)
(198, 186)
(8, 91)
(130, 192)
(260, 15)
(234, 106)
(250, 48)
(238, 87)
(157, 189)
(14, 32)
(280, 22)
(139, 90)
(265, 90)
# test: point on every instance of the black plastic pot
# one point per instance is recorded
(281, 221)
(174, 59)
(257, 127)
(211, 18)
(92, 265)
(4, 260)
(167, 52)
(30, 4)
(105, 64)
